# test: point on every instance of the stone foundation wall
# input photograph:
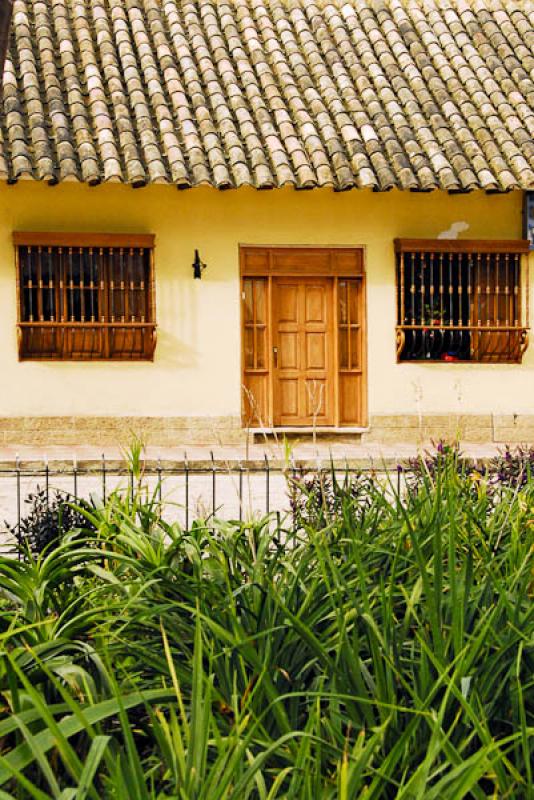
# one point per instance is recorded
(227, 430)
(118, 431)
(473, 428)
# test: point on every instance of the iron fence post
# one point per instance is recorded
(75, 476)
(159, 480)
(103, 478)
(186, 470)
(267, 483)
(131, 480)
(17, 467)
(47, 481)
(240, 492)
(213, 487)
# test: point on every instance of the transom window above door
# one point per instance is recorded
(85, 296)
(462, 300)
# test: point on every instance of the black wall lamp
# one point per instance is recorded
(198, 266)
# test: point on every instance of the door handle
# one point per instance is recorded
(275, 356)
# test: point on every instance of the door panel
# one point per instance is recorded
(288, 350)
(302, 337)
(315, 351)
(315, 304)
(289, 396)
(288, 303)
(316, 399)
(350, 398)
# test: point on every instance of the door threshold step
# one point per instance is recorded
(302, 435)
(330, 430)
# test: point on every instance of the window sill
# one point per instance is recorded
(472, 363)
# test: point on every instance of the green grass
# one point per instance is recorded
(387, 652)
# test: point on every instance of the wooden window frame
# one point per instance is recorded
(338, 270)
(478, 331)
(106, 329)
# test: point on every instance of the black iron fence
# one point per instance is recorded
(201, 489)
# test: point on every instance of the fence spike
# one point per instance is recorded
(17, 467)
(186, 469)
(267, 483)
(47, 479)
(213, 489)
(240, 492)
(103, 478)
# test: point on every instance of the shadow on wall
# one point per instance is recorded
(192, 315)
(177, 315)
(174, 352)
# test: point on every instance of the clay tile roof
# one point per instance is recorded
(414, 94)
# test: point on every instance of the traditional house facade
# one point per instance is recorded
(350, 250)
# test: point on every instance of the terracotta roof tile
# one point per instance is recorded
(414, 94)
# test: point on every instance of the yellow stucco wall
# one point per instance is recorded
(196, 369)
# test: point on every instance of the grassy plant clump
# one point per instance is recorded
(379, 647)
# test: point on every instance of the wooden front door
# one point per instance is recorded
(303, 351)
(303, 337)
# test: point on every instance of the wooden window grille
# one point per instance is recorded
(85, 297)
(462, 300)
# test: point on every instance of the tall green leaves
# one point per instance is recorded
(382, 648)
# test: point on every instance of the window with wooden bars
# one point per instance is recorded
(462, 300)
(85, 297)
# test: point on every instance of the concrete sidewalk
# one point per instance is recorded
(199, 456)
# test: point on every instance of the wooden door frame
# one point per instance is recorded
(268, 273)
